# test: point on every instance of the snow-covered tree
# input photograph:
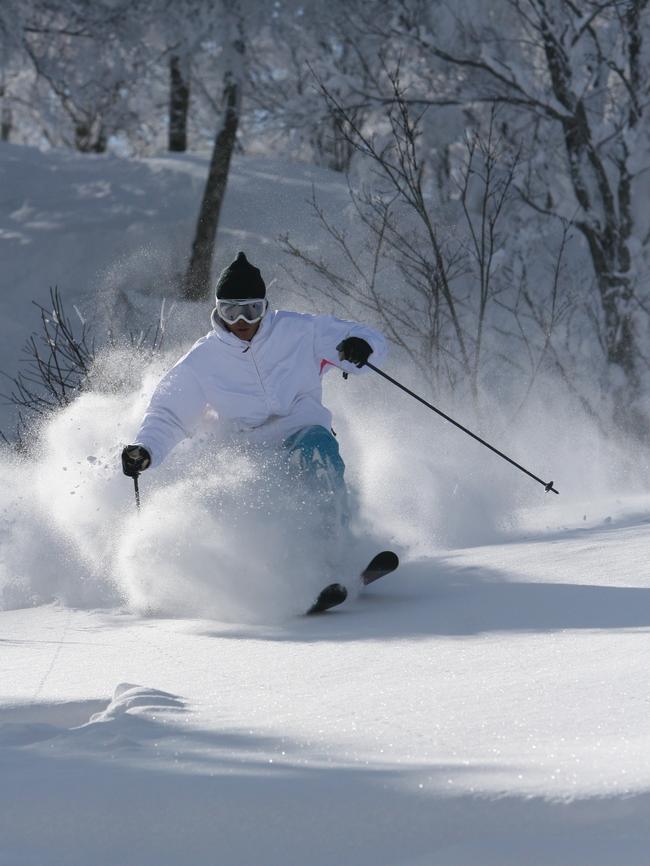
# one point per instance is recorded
(86, 57)
(572, 80)
(299, 44)
(11, 34)
(184, 38)
(568, 80)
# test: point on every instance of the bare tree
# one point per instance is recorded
(5, 116)
(303, 38)
(83, 56)
(12, 15)
(571, 79)
(430, 275)
(179, 103)
(182, 30)
(60, 362)
(537, 333)
(197, 278)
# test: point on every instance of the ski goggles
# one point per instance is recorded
(251, 310)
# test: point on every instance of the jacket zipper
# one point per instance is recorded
(259, 376)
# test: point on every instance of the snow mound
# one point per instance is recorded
(137, 700)
(134, 714)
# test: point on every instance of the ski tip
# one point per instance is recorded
(331, 596)
(386, 560)
(383, 563)
(390, 558)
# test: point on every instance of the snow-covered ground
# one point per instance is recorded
(163, 702)
(488, 706)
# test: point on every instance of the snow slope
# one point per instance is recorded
(163, 702)
(114, 234)
(487, 707)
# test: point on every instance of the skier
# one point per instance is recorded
(260, 371)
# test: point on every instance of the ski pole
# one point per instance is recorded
(548, 485)
(137, 492)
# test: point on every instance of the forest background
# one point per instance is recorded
(496, 156)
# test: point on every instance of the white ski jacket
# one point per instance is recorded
(263, 390)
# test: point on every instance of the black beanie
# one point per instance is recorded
(240, 280)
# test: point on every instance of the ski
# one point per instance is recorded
(329, 597)
(379, 566)
(334, 594)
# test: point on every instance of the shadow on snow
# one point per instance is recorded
(150, 790)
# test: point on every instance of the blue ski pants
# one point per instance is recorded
(314, 452)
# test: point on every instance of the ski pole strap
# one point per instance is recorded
(547, 485)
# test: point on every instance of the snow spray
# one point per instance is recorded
(221, 534)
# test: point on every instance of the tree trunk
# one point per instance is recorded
(620, 335)
(179, 102)
(197, 279)
(6, 119)
(5, 123)
(90, 137)
(607, 223)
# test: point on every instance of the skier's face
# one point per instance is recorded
(242, 316)
(243, 330)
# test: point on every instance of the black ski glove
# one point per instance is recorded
(355, 350)
(135, 459)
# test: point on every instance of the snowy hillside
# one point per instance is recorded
(162, 700)
(114, 234)
(489, 706)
